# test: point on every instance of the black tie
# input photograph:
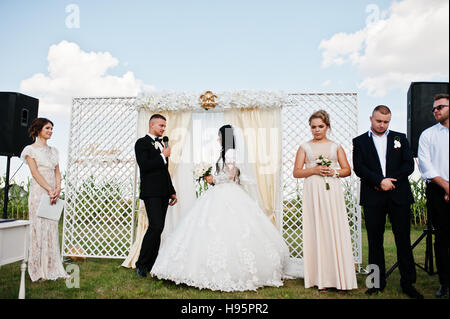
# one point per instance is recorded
(158, 139)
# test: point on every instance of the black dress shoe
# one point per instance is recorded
(411, 292)
(372, 291)
(141, 272)
(442, 292)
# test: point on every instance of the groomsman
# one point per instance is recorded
(433, 165)
(383, 160)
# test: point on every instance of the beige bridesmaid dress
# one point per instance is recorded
(327, 246)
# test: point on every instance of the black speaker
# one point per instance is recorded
(16, 113)
(420, 103)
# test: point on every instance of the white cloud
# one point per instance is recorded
(410, 42)
(73, 72)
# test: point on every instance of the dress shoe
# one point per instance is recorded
(442, 292)
(411, 292)
(373, 291)
(141, 272)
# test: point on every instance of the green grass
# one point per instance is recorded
(104, 279)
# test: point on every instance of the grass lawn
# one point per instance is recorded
(104, 278)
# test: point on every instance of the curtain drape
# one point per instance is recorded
(262, 131)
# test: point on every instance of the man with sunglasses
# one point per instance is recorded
(433, 157)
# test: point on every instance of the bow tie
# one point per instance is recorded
(158, 139)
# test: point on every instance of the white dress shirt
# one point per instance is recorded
(433, 152)
(159, 145)
(381, 146)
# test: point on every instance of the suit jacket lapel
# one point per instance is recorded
(152, 141)
(373, 150)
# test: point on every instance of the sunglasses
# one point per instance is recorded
(439, 107)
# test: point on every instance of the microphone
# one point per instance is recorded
(166, 141)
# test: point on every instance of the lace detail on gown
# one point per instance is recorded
(44, 260)
(224, 242)
(229, 173)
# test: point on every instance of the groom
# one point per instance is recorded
(383, 161)
(156, 189)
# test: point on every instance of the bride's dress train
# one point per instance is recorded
(224, 242)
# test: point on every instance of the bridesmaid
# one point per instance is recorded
(44, 261)
(327, 246)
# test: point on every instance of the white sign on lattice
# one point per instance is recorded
(101, 179)
(343, 110)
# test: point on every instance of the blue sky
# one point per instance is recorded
(226, 45)
(187, 45)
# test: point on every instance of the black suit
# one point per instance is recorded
(395, 203)
(155, 190)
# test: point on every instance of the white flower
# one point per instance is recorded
(397, 144)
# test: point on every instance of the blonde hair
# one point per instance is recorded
(323, 115)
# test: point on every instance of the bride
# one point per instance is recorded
(225, 241)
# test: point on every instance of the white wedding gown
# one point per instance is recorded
(224, 242)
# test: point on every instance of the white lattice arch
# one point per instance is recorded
(102, 173)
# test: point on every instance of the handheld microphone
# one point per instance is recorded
(166, 141)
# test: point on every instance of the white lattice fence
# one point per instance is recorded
(101, 179)
(343, 110)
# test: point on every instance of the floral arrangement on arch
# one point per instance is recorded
(185, 101)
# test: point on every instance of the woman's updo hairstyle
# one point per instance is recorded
(36, 126)
(323, 115)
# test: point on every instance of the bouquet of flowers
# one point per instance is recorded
(321, 160)
(200, 172)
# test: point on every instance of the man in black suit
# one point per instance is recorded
(156, 189)
(383, 160)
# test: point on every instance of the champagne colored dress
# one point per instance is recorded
(327, 246)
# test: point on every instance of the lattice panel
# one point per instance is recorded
(101, 179)
(343, 110)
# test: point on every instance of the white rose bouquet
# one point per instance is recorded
(200, 172)
(321, 160)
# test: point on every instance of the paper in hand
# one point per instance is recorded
(45, 210)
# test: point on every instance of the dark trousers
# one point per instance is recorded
(438, 210)
(156, 208)
(400, 217)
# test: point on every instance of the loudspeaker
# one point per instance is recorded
(16, 113)
(420, 103)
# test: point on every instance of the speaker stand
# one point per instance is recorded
(5, 197)
(428, 235)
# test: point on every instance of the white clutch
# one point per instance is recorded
(45, 210)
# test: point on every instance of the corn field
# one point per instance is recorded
(419, 208)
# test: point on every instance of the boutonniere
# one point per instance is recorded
(397, 143)
(154, 144)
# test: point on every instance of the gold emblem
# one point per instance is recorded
(207, 100)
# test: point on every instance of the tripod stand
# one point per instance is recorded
(6, 189)
(429, 264)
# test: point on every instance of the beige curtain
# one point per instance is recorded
(262, 131)
(177, 129)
